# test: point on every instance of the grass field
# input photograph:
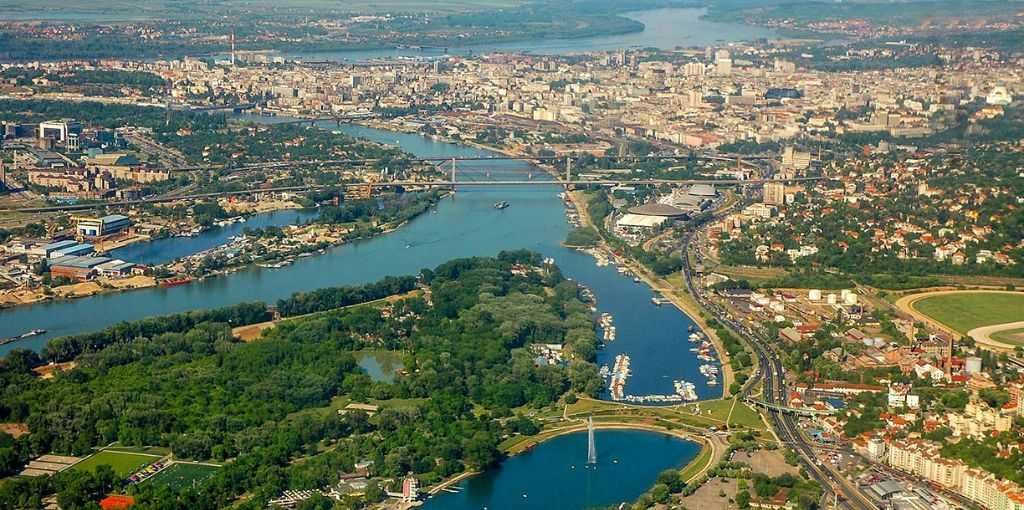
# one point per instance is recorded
(183, 475)
(697, 464)
(966, 311)
(754, 275)
(123, 463)
(712, 413)
(1010, 336)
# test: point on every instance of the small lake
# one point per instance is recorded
(554, 475)
(381, 366)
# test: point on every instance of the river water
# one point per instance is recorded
(165, 250)
(654, 337)
(663, 29)
(553, 475)
(466, 225)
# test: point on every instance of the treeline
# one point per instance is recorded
(107, 115)
(739, 357)
(140, 79)
(70, 347)
(336, 297)
(392, 208)
(584, 236)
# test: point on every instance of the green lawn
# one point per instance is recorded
(745, 416)
(697, 464)
(1010, 336)
(183, 475)
(742, 414)
(123, 463)
(964, 312)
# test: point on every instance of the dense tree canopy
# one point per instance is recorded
(183, 382)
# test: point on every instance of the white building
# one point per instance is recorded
(999, 96)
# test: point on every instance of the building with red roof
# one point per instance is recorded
(117, 502)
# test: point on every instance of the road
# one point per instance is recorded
(772, 375)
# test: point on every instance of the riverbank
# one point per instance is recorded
(180, 267)
(21, 297)
(680, 299)
(660, 285)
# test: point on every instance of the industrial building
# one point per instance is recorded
(76, 268)
(87, 268)
(68, 249)
(105, 226)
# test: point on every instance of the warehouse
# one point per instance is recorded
(74, 250)
(76, 268)
(99, 227)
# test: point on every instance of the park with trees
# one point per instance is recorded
(183, 382)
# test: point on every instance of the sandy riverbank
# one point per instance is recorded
(25, 296)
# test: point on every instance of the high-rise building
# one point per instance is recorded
(723, 63)
(774, 193)
(693, 69)
(695, 99)
(794, 159)
(784, 66)
(723, 67)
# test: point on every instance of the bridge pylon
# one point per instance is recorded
(453, 175)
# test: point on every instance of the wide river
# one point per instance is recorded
(663, 29)
(466, 225)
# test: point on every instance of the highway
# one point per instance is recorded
(772, 376)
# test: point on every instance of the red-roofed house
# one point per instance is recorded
(117, 502)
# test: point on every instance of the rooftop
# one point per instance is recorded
(703, 190)
(656, 209)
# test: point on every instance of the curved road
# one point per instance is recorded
(983, 335)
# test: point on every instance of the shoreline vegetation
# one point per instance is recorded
(706, 457)
(57, 350)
